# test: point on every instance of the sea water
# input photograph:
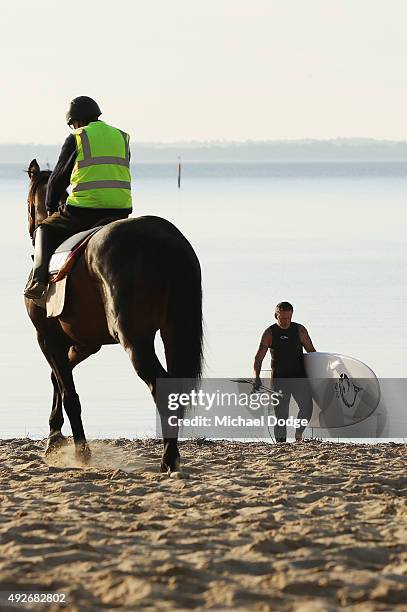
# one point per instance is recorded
(328, 237)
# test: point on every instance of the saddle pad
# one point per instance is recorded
(56, 298)
(64, 250)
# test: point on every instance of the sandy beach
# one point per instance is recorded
(308, 527)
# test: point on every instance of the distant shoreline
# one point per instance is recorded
(338, 150)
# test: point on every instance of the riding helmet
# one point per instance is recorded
(82, 108)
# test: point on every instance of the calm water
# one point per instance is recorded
(330, 238)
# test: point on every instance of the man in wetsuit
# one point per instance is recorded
(286, 341)
(95, 160)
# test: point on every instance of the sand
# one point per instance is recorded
(311, 527)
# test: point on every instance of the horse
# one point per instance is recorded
(137, 276)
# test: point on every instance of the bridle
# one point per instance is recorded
(37, 180)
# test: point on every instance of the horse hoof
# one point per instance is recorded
(55, 442)
(83, 453)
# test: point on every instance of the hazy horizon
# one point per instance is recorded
(354, 140)
(310, 150)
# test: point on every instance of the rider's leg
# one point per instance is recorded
(42, 254)
(62, 226)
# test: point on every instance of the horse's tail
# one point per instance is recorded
(183, 330)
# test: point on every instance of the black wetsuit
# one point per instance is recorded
(288, 356)
(289, 376)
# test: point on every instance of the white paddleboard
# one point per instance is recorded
(346, 395)
(345, 390)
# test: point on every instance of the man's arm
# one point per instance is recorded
(265, 344)
(306, 340)
(61, 175)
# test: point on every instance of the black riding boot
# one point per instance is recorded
(39, 279)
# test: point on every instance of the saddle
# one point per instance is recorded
(60, 265)
(64, 257)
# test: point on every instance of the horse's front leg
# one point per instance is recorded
(56, 439)
(55, 351)
(56, 420)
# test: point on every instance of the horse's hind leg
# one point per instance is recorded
(147, 365)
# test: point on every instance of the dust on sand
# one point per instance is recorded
(310, 527)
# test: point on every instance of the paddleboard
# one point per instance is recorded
(345, 390)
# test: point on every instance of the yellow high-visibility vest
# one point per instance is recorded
(101, 175)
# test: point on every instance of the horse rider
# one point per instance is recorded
(286, 341)
(95, 160)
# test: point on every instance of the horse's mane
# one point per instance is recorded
(39, 178)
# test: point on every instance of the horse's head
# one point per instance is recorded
(36, 195)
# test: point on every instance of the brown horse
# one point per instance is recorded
(136, 276)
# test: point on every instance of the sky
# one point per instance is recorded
(206, 70)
